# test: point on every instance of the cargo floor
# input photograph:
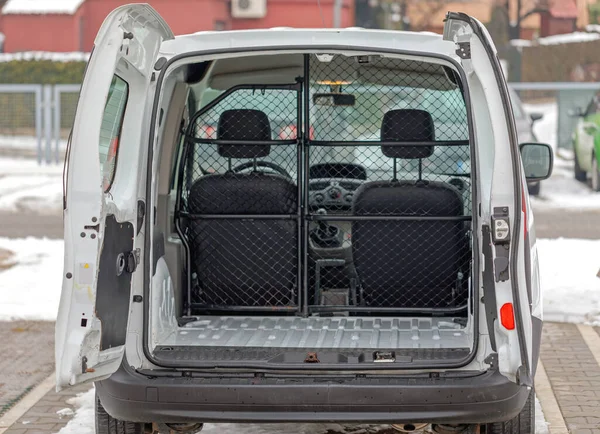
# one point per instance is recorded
(321, 332)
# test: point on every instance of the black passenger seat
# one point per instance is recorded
(238, 260)
(408, 263)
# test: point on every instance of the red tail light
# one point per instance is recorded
(507, 316)
(207, 132)
(290, 132)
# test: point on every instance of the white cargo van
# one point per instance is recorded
(299, 225)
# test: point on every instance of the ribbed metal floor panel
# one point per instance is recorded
(321, 332)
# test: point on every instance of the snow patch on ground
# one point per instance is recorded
(570, 287)
(41, 6)
(26, 186)
(541, 426)
(28, 142)
(40, 194)
(563, 191)
(65, 412)
(28, 166)
(568, 38)
(83, 421)
(31, 288)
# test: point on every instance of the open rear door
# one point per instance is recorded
(502, 224)
(100, 225)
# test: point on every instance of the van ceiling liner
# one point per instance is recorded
(374, 69)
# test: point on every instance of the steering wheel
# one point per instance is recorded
(260, 163)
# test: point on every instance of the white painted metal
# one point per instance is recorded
(498, 182)
(78, 355)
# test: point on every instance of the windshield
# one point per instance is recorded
(376, 92)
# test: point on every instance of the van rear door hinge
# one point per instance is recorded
(464, 50)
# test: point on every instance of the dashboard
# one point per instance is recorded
(338, 194)
(332, 193)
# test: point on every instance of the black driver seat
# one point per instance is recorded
(243, 261)
(408, 263)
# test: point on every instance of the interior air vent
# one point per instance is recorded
(248, 8)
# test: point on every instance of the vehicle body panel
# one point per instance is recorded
(90, 334)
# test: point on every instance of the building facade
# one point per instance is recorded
(71, 25)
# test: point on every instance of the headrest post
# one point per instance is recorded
(420, 169)
(254, 164)
(229, 164)
(395, 170)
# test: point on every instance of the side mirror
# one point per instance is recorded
(536, 116)
(576, 112)
(538, 161)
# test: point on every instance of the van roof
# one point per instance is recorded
(351, 39)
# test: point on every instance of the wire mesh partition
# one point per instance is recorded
(391, 190)
(348, 191)
(241, 200)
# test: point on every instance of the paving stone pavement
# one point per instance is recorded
(27, 358)
(573, 372)
(574, 376)
(43, 418)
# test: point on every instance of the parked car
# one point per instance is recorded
(525, 133)
(366, 267)
(586, 143)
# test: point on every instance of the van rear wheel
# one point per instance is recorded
(106, 424)
(524, 423)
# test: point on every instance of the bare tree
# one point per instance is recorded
(518, 10)
(409, 14)
(425, 12)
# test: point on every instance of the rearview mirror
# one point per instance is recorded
(334, 99)
(536, 116)
(538, 160)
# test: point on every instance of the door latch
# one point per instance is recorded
(128, 262)
(501, 240)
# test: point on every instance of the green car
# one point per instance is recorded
(586, 143)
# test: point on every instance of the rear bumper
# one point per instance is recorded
(488, 397)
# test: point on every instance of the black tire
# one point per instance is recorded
(580, 175)
(524, 423)
(105, 424)
(534, 189)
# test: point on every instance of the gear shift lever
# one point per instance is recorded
(323, 225)
(325, 235)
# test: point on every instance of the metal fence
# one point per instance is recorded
(35, 120)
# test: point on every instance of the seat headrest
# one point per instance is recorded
(407, 125)
(244, 124)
